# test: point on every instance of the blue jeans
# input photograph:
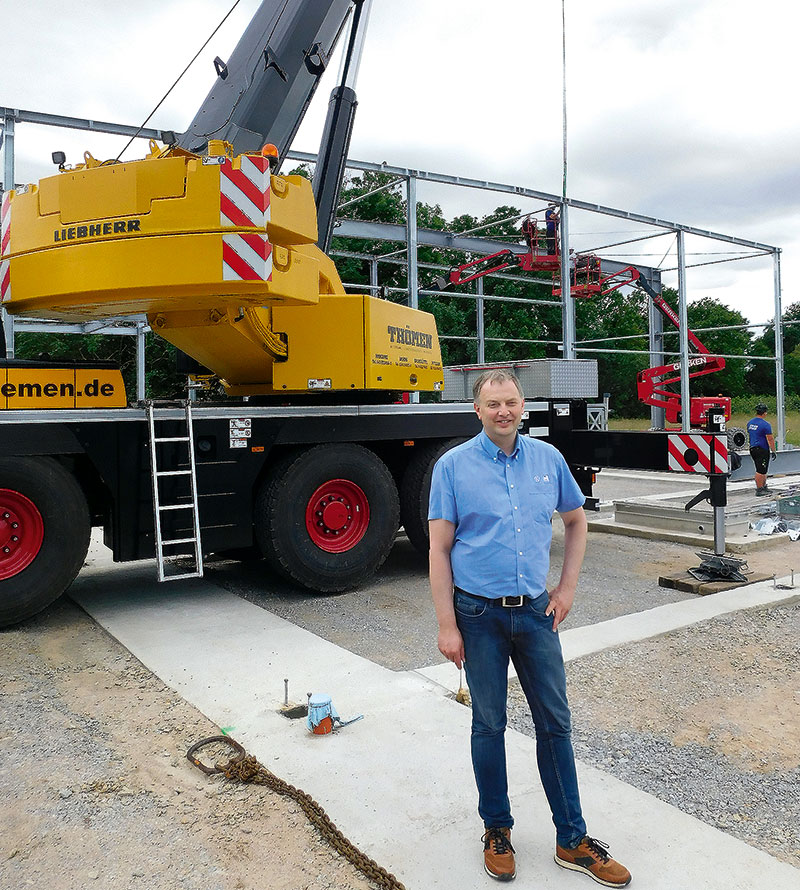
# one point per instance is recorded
(492, 634)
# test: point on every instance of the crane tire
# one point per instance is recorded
(326, 516)
(44, 534)
(415, 489)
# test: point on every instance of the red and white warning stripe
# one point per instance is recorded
(5, 248)
(698, 453)
(245, 203)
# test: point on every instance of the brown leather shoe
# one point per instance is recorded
(498, 854)
(591, 857)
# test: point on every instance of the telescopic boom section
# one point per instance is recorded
(263, 91)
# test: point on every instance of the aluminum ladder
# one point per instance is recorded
(160, 416)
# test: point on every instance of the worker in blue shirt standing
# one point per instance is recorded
(762, 446)
(491, 504)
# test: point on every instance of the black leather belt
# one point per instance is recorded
(507, 602)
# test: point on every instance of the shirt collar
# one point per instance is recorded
(497, 453)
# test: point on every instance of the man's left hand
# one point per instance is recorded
(560, 603)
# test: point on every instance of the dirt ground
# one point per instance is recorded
(97, 792)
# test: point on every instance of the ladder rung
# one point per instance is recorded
(174, 473)
(178, 507)
(183, 575)
(172, 439)
(179, 541)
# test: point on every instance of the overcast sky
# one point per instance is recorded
(684, 110)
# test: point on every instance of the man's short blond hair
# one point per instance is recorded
(496, 375)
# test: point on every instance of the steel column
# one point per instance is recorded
(684, 332)
(8, 151)
(8, 184)
(413, 277)
(481, 330)
(140, 376)
(780, 439)
(8, 333)
(568, 304)
(411, 242)
(373, 278)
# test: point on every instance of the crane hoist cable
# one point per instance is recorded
(178, 78)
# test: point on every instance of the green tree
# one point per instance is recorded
(617, 314)
(760, 375)
(709, 313)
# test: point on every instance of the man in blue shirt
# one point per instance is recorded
(762, 445)
(491, 503)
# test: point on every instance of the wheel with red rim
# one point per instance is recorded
(21, 532)
(326, 516)
(44, 534)
(337, 515)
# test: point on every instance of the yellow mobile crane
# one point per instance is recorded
(226, 256)
(221, 255)
(307, 462)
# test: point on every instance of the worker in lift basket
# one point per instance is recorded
(551, 226)
(762, 446)
(492, 499)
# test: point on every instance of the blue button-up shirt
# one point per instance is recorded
(501, 506)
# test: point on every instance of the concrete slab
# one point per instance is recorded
(398, 783)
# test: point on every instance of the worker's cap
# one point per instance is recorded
(761, 408)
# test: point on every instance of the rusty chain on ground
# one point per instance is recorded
(243, 767)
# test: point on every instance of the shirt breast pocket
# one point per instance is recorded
(541, 494)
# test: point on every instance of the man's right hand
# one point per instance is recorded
(452, 646)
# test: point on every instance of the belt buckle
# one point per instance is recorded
(512, 602)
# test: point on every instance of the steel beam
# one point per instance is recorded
(58, 120)
(79, 123)
(487, 185)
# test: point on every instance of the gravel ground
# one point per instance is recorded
(95, 789)
(706, 718)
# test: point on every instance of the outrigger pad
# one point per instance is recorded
(714, 567)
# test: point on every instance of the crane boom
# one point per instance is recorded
(213, 245)
(264, 89)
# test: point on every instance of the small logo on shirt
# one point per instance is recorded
(545, 478)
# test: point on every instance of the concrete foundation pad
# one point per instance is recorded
(661, 517)
(399, 782)
(734, 544)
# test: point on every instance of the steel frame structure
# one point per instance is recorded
(412, 237)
